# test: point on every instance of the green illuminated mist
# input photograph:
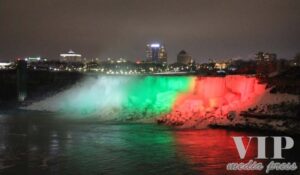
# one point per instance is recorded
(152, 95)
(112, 97)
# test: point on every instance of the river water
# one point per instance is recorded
(37, 143)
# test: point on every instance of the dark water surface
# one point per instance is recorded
(42, 144)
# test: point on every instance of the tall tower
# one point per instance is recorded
(156, 53)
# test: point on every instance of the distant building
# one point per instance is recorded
(221, 65)
(119, 60)
(33, 59)
(184, 58)
(5, 65)
(156, 53)
(266, 63)
(266, 57)
(295, 61)
(71, 56)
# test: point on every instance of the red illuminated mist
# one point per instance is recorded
(216, 96)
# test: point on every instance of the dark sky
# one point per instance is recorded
(122, 28)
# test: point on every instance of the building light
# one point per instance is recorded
(155, 45)
(5, 64)
(70, 55)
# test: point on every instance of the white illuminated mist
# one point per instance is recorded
(93, 95)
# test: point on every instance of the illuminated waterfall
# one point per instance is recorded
(128, 97)
(213, 98)
(110, 97)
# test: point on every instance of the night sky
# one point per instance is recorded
(122, 28)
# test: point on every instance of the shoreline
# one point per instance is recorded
(35, 116)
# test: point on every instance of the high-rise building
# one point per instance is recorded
(184, 58)
(71, 56)
(156, 53)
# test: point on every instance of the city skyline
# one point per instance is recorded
(102, 29)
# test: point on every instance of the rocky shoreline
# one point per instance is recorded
(277, 109)
(268, 114)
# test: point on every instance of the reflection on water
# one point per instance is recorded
(209, 151)
(43, 145)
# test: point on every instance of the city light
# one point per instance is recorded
(155, 45)
(5, 64)
(70, 55)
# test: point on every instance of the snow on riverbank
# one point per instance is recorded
(267, 112)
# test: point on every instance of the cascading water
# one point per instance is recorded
(212, 98)
(113, 97)
(128, 97)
